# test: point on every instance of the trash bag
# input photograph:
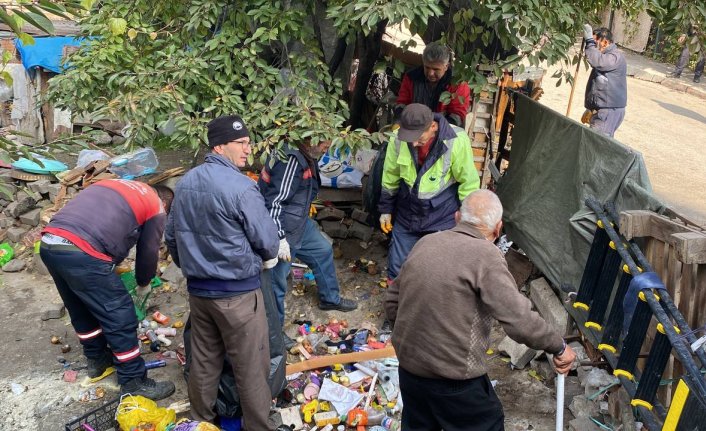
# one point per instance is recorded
(134, 410)
(373, 188)
(228, 401)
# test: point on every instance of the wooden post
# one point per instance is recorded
(576, 75)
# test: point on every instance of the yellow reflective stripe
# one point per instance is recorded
(677, 406)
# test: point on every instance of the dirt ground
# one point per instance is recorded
(47, 402)
(666, 126)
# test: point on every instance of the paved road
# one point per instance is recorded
(666, 126)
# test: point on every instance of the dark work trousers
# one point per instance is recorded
(684, 60)
(237, 327)
(451, 405)
(101, 310)
(607, 120)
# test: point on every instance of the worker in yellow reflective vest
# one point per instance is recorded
(428, 171)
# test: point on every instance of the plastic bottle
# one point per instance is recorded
(390, 424)
(155, 364)
(154, 341)
(137, 163)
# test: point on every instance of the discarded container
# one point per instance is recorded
(6, 253)
(134, 164)
(325, 418)
(155, 364)
(154, 341)
(169, 332)
(161, 318)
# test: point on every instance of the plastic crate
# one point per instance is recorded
(98, 419)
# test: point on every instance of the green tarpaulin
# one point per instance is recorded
(555, 164)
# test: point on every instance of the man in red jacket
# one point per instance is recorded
(81, 246)
(428, 83)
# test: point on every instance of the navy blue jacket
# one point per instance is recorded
(607, 87)
(418, 214)
(218, 230)
(289, 185)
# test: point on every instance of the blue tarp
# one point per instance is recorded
(46, 52)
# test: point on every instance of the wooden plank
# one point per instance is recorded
(61, 28)
(673, 277)
(688, 288)
(646, 223)
(345, 358)
(689, 246)
(700, 300)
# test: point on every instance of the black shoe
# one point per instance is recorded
(343, 305)
(288, 342)
(147, 388)
(697, 79)
(96, 367)
(674, 75)
(386, 326)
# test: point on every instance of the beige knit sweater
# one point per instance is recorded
(442, 305)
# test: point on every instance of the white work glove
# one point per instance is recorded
(386, 223)
(269, 264)
(284, 253)
(587, 32)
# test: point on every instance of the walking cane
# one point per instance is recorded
(560, 402)
(576, 75)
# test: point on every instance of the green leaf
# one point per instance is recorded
(37, 20)
(26, 39)
(9, 20)
(7, 78)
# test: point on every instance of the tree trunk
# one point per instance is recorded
(368, 53)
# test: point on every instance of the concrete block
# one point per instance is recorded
(520, 355)
(31, 217)
(549, 306)
(335, 229)
(173, 274)
(53, 311)
(583, 407)
(360, 231)
(54, 189)
(15, 265)
(360, 216)
(6, 222)
(23, 203)
(330, 213)
(583, 424)
(15, 234)
(40, 186)
(8, 191)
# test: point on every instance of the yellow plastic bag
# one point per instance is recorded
(134, 410)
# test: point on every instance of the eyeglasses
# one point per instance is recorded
(244, 143)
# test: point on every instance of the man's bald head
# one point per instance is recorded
(482, 209)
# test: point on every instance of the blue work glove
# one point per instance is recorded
(587, 32)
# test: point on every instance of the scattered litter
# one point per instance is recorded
(70, 376)
(17, 388)
(91, 394)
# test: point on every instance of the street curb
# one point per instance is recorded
(671, 83)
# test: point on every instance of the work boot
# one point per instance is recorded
(147, 388)
(674, 74)
(96, 367)
(697, 79)
(343, 305)
(288, 342)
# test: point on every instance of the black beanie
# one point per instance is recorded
(226, 129)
